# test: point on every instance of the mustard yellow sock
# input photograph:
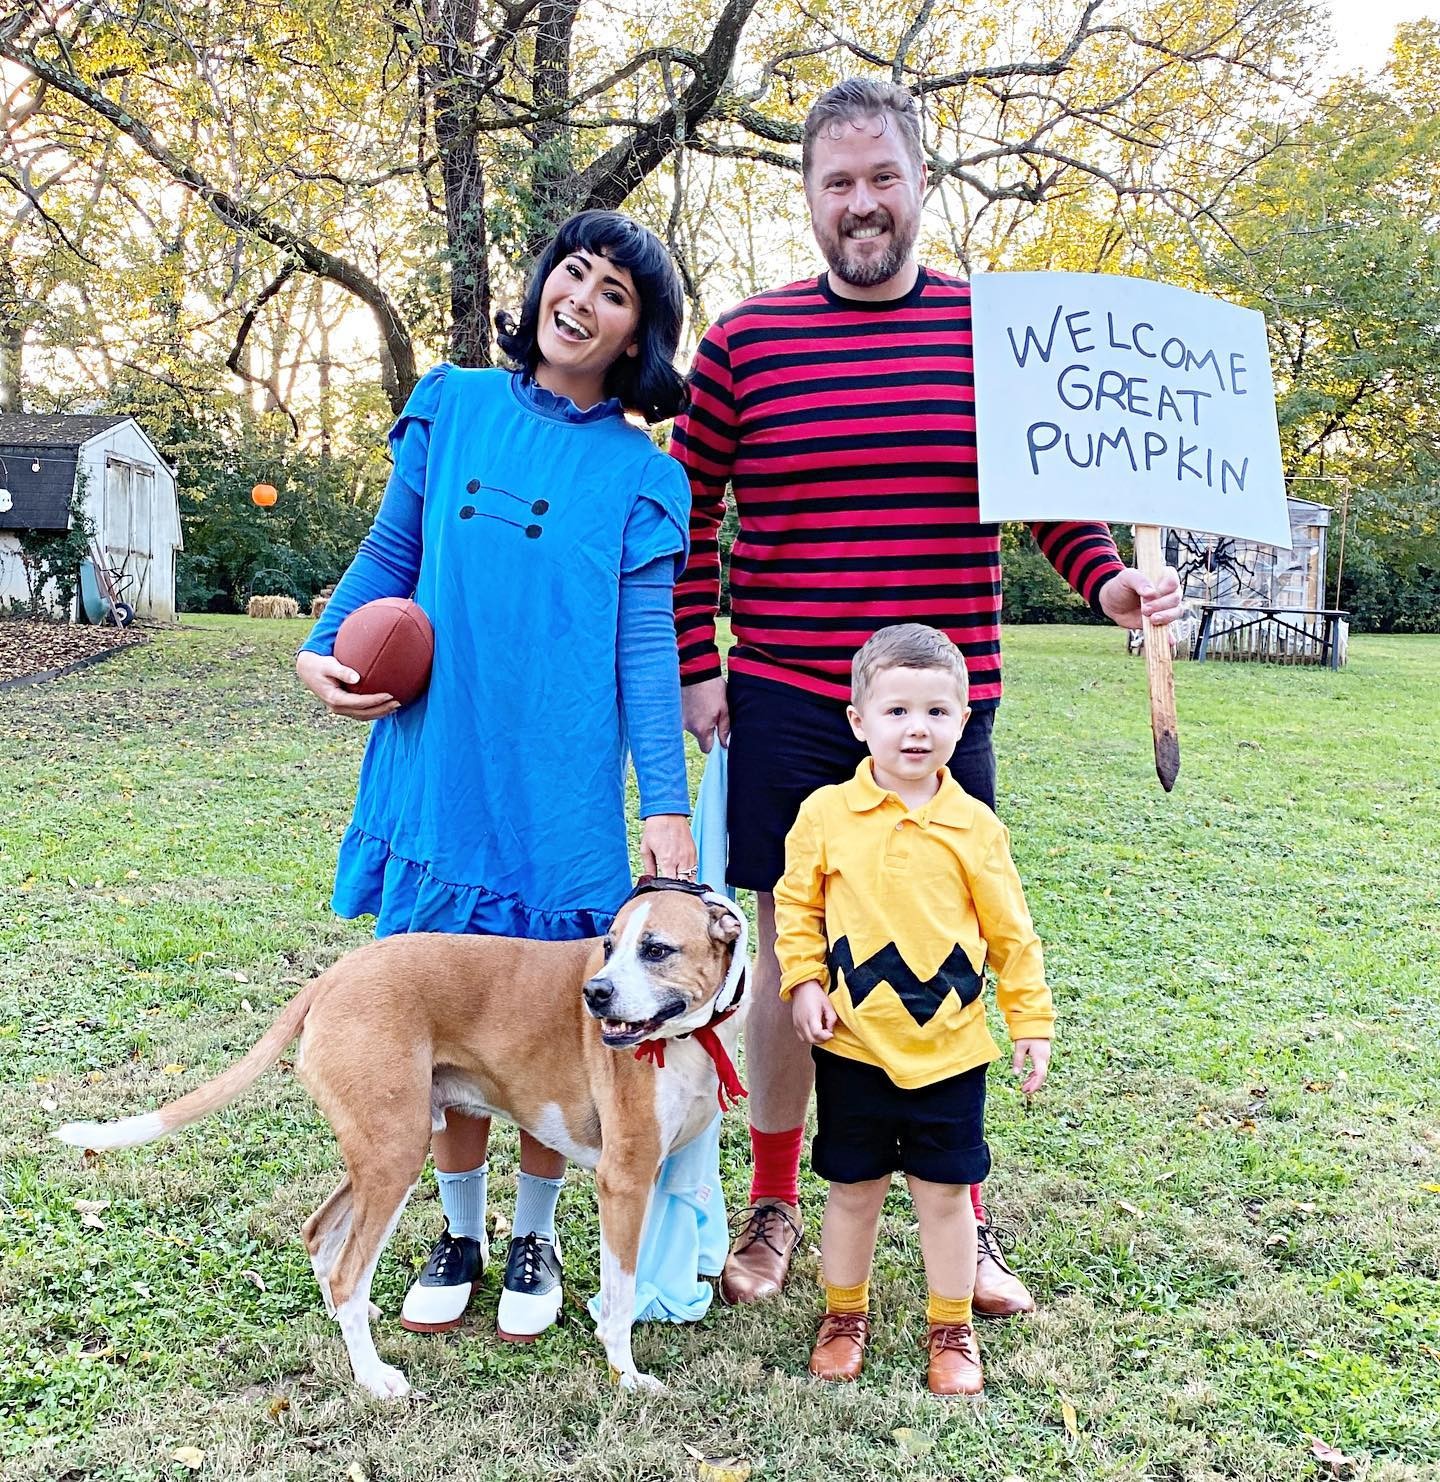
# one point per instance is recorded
(948, 1310)
(848, 1298)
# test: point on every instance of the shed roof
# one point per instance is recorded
(54, 429)
(1320, 513)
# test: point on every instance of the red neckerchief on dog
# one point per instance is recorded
(730, 1090)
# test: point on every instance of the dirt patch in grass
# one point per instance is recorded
(30, 647)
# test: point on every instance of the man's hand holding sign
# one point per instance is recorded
(1102, 397)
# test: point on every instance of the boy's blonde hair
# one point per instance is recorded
(906, 646)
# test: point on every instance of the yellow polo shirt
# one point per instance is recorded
(897, 912)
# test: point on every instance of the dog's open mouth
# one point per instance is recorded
(620, 1034)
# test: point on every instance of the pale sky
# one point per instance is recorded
(1364, 29)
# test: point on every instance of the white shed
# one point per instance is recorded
(128, 490)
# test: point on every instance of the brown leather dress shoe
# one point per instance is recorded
(998, 1291)
(839, 1351)
(954, 1360)
(759, 1260)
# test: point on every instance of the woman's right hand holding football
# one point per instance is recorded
(327, 679)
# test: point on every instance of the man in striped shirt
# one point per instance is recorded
(841, 411)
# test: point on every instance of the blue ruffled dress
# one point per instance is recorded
(495, 802)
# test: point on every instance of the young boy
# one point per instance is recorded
(898, 889)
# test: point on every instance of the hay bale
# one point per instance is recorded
(273, 607)
(318, 606)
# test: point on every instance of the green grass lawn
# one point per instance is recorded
(1227, 1200)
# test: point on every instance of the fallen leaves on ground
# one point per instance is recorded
(90, 1211)
(29, 646)
(912, 1442)
(1331, 1457)
(1072, 1421)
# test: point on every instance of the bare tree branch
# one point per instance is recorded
(236, 361)
(611, 178)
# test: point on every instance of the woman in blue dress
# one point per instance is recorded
(541, 532)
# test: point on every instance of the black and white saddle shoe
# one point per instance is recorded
(530, 1300)
(438, 1300)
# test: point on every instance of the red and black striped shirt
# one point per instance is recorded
(847, 429)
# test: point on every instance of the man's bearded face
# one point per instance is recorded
(864, 194)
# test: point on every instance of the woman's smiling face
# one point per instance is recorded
(589, 313)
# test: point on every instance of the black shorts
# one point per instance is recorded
(785, 743)
(868, 1127)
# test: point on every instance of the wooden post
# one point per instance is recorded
(1151, 562)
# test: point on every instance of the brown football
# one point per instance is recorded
(390, 644)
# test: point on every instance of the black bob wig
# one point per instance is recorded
(646, 382)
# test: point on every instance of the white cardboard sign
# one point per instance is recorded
(1099, 397)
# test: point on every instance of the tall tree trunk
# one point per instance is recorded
(552, 178)
(462, 175)
(12, 342)
(464, 179)
(323, 369)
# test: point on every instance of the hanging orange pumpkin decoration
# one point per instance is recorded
(264, 495)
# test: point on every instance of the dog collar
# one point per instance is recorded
(732, 989)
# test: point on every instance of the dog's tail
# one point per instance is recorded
(130, 1132)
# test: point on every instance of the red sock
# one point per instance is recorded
(977, 1198)
(777, 1165)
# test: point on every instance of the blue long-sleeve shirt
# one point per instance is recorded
(388, 564)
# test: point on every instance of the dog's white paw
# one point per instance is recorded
(646, 1383)
(385, 1382)
(374, 1312)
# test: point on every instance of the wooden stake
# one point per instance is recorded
(1151, 561)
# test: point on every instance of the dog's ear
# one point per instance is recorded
(724, 924)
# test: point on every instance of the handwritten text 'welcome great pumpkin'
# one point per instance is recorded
(1174, 409)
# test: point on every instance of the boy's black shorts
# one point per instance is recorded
(785, 743)
(868, 1127)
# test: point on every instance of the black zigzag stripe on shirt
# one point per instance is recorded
(922, 998)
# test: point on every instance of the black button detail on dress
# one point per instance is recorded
(473, 487)
(467, 511)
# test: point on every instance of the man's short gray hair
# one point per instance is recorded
(855, 100)
(906, 646)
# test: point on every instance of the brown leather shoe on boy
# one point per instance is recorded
(998, 1291)
(839, 1352)
(759, 1260)
(954, 1360)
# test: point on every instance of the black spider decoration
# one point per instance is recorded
(1190, 551)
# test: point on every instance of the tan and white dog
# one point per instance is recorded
(399, 1031)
